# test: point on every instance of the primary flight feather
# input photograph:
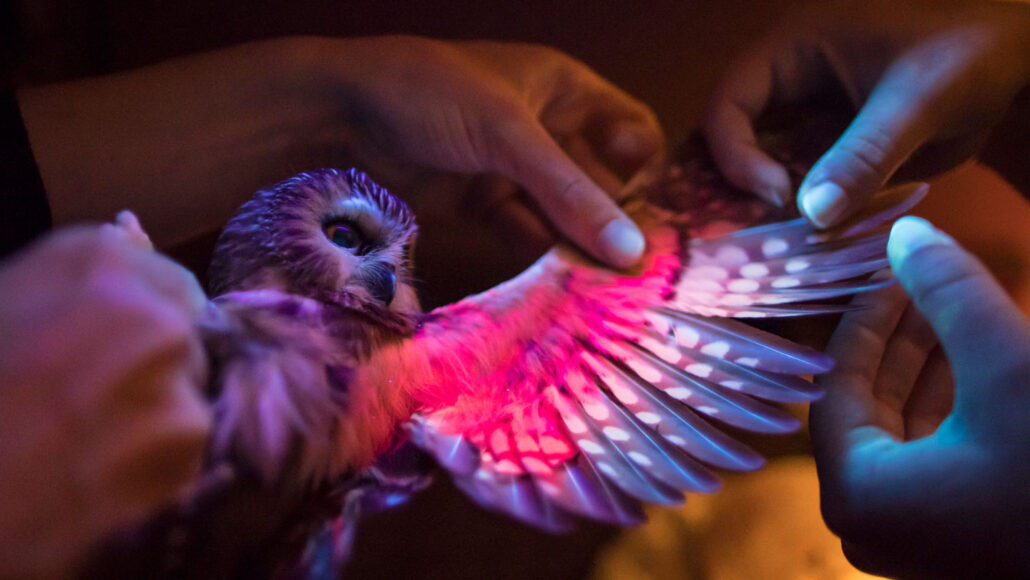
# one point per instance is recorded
(571, 389)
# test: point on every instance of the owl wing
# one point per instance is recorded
(573, 389)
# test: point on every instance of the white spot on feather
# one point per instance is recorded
(607, 469)
(731, 255)
(665, 352)
(596, 410)
(686, 336)
(575, 425)
(708, 410)
(796, 265)
(786, 282)
(741, 285)
(658, 322)
(640, 458)
(616, 433)
(774, 247)
(508, 466)
(681, 393)
(717, 349)
(649, 418)
(534, 465)
(735, 385)
(622, 391)
(754, 270)
(747, 361)
(699, 369)
(676, 440)
(645, 371)
(735, 300)
(590, 447)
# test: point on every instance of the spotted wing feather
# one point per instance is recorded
(572, 389)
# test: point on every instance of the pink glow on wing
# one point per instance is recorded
(553, 447)
(499, 442)
(526, 444)
(508, 467)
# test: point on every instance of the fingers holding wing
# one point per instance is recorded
(576, 390)
(787, 268)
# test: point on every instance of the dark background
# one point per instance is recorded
(668, 54)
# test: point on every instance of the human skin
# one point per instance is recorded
(184, 142)
(927, 85)
(102, 418)
(921, 442)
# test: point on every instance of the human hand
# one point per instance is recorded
(928, 80)
(101, 413)
(186, 141)
(924, 466)
(530, 113)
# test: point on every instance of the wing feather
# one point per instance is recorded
(573, 389)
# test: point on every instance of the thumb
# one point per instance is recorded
(972, 315)
(575, 205)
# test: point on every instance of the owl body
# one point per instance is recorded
(570, 390)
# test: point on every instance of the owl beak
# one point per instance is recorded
(381, 282)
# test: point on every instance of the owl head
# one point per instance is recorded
(334, 236)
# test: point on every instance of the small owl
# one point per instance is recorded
(570, 390)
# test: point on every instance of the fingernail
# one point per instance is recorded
(911, 233)
(775, 197)
(824, 203)
(621, 242)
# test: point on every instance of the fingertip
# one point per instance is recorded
(732, 143)
(824, 204)
(753, 170)
(771, 182)
(911, 233)
(621, 242)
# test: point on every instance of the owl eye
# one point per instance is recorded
(344, 235)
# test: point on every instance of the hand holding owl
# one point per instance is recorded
(101, 414)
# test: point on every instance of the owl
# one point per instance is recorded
(569, 391)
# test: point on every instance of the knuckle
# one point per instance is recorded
(942, 276)
(949, 287)
(862, 160)
(867, 155)
(577, 192)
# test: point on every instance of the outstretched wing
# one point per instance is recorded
(572, 389)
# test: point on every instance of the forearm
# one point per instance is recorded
(183, 142)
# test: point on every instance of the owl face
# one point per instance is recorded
(331, 235)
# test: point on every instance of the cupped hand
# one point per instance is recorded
(922, 442)
(532, 114)
(101, 413)
(927, 80)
